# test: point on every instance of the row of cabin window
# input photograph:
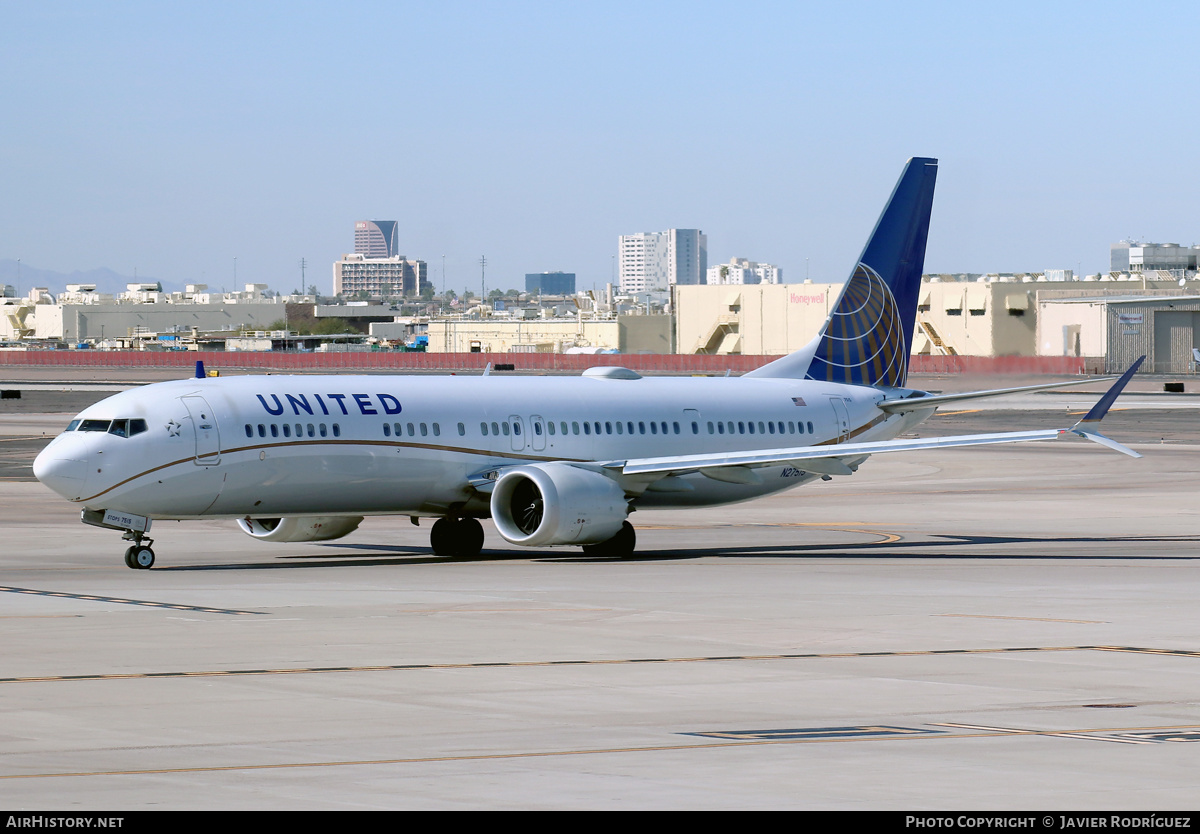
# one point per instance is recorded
(398, 428)
(313, 431)
(607, 427)
(497, 428)
(768, 427)
(505, 428)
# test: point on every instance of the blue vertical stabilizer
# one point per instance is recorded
(867, 337)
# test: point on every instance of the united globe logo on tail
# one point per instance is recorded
(863, 342)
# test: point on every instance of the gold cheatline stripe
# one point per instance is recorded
(261, 446)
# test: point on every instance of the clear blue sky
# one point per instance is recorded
(176, 137)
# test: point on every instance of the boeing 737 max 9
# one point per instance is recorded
(553, 461)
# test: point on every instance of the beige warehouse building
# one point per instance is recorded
(770, 319)
(1164, 329)
(953, 318)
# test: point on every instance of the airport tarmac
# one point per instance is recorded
(984, 628)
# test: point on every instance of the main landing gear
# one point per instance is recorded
(456, 537)
(619, 546)
(140, 556)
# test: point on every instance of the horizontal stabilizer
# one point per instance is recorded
(918, 403)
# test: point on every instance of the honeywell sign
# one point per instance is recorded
(806, 298)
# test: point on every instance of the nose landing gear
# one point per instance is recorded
(135, 527)
(140, 556)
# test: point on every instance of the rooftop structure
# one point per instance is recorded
(743, 271)
(550, 283)
(1133, 256)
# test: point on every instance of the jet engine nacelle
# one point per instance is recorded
(556, 503)
(300, 529)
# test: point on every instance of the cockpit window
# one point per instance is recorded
(119, 428)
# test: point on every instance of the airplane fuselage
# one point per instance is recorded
(365, 445)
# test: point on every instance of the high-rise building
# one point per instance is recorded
(656, 260)
(550, 283)
(376, 238)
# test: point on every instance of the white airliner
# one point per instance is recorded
(553, 461)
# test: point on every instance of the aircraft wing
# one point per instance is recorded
(801, 454)
(831, 458)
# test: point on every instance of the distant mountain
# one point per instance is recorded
(106, 280)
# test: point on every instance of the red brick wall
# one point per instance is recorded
(661, 363)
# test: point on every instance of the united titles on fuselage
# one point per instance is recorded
(299, 403)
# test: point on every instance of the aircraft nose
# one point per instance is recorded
(61, 470)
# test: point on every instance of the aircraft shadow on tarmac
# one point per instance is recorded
(940, 547)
